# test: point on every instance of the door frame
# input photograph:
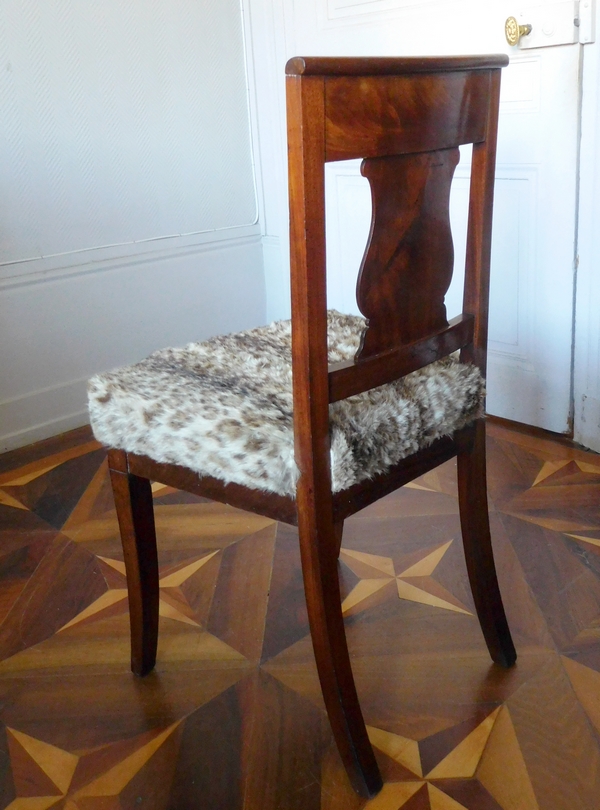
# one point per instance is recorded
(586, 327)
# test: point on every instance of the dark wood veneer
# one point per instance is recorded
(408, 263)
(270, 504)
(384, 116)
(353, 376)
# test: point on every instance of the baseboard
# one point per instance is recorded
(58, 333)
(47, 430)
(587, 422)
(43, 413)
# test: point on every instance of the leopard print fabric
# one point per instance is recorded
(223, 408)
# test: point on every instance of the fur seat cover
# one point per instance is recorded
(224, 408)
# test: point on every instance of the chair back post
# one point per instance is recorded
(479, 232)
(306, 146)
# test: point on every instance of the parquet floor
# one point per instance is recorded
(232, 718)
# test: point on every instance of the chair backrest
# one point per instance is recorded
(406, 118)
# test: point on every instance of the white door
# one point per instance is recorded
(531, 311)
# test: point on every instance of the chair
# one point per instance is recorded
(167, 419)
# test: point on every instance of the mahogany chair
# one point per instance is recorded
(406, 118)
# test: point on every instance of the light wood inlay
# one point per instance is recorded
(503, 756)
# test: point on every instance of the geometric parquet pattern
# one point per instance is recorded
(232, 718)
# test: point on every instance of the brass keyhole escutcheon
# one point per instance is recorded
(514, 31)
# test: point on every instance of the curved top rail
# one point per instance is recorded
(389, 65)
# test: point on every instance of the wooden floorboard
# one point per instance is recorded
(232, 718)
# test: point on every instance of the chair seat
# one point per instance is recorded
(224, 408)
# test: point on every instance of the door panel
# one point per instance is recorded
(534, 226)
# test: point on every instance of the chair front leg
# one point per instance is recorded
(474, 518)
(318, 539)
(135, 512)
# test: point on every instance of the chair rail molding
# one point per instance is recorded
(95, 259)
(355, 11)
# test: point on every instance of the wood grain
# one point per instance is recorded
(350, 377)
(133, 499)
(384, 116)
(472, 498)
(269, 504)
(318, 538)
(408, 262)
(479, 231)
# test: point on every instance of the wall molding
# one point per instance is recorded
(520, 91)
(43, 413)
(61, 329)
(93, 260)
(122, 125)
(353, 11)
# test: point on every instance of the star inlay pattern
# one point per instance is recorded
(47, 776)
(172, 604)
(453, 766)
(413, 582)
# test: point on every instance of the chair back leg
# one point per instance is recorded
(338, 529)
(474, 518)
(319, 543)
(135, 512)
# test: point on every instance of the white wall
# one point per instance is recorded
(587, 319)
(128, 209)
